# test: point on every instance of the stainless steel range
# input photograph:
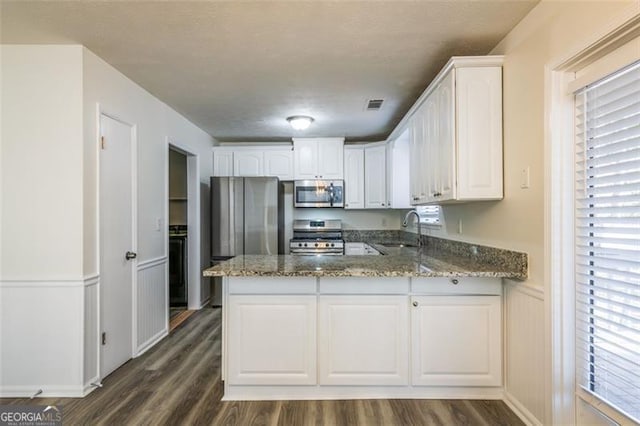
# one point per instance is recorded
(317, 237)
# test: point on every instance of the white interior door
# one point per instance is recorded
(117, 231)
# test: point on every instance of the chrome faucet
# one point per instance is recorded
(405, 222)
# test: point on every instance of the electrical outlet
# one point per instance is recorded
(158, 224)
(525, 178)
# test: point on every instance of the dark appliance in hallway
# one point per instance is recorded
(178, 266)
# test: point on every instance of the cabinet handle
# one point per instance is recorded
(415, 303)
(454, 281)
(382, 204)
(415, 198)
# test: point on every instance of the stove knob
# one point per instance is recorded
(299, 244)
(316, 244)
(305, 244)
(332, 245)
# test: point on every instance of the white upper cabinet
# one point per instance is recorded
(375, 177)
(318, 158)
(456, 134)
(244, 160)
(353, 177)
(222, 162)
(365, 176)
(279, 162)
(248, 162)
(398, 191)
(479, 117)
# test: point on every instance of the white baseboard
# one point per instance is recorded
(520, 410)
(274, 393)
(151, 342)
(27, 391)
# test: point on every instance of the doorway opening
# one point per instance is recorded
(183, 235)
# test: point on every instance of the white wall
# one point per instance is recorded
(49, 278)
(156, 124)
(550, 31)
(41, 163)
(41, 276)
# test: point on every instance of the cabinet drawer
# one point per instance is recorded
(272, 285)
(457, 285)
(364, 285)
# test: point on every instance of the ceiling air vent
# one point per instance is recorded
(374, 104)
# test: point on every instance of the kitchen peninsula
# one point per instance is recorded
(411, 323)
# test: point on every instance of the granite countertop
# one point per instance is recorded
(396, 262)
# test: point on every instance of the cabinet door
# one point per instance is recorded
(330, 159)
(418, 161)
(456, 341)
(222, 162)
(446, 162)
(248, 162)
(398, 174)
(432, 154)
(479, 115)
(353, 178)
(273, 338)
(305, 154)
(279, 162)
(363, 340)
(375, 177)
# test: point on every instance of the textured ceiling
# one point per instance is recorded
(238, 69)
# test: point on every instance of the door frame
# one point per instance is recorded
(194, 223)
(100, 111)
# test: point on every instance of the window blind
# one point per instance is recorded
(429, 215)
(607, 264)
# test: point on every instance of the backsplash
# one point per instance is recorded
(500, 258)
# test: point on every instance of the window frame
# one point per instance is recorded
(561, 400)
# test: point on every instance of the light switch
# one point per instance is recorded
(525, 177)
(459, 226)
(158, 224)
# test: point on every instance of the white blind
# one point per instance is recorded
(608, 239)
(429, 215)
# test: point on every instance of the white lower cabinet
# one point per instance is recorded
(271, 340)
(456, 340)
(362, 337)
(363, 340)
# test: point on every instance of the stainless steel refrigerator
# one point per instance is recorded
(247, 217)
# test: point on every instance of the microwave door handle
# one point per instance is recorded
(331, 195)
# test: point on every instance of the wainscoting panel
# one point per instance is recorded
(152, 315)
(41, 324)
(91, 329)
(524, 335)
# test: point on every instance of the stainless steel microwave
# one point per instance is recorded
(318, 193)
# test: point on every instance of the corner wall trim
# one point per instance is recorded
(91, 280)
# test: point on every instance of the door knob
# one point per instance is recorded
(130, 255)
(415, 303)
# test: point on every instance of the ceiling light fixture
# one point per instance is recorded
(300, 122)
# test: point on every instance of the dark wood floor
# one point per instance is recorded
(178, 383)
